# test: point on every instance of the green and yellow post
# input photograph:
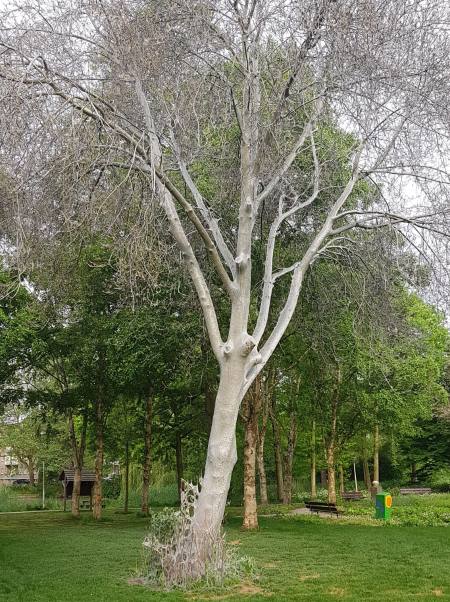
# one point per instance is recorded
(383, 505)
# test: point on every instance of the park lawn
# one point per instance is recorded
(52, 558)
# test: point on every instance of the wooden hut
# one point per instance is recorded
(86, 487)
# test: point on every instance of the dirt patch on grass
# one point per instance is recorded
(136, 581)
(309, 577)
(339, 592)
(236, 593)
(438, 592)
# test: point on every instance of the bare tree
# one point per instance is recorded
(247, 89)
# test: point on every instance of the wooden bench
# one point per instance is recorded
(415, 490)
(317, 507)
(352, 495)
(87, 504)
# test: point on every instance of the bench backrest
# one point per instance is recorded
(415, 490)
(352, 495)
(321, 507)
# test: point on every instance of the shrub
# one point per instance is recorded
(440, 480)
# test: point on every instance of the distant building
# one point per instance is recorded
(11, 470)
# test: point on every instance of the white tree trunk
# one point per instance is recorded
(222, 454)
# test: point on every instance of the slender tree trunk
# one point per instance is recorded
(341, 479)
(277, 454)
(264, 498)
(331, 445)
(78, 459)
(147, 453)
(413, 472)
(376, 454)
(75, 505)
(366, 470)
(289, 459)
(313, 461)
(250, 412)
(127, 477)
(98, 487)
(266, 391)
(179, 463)
(331, 473)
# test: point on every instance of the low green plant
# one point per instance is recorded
(440, 480)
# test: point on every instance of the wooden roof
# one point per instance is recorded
(68, 475)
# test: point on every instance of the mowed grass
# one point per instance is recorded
(52, 558)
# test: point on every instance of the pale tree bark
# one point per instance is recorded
(147, 453)
(313, 461)
(251, 406)
(78, 449)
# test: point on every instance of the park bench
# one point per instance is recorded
(87, 504)
(317, 507)
(415, 490)
(352, 495)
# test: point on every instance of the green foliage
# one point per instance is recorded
(431, 510)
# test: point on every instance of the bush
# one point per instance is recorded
(304, 496)
(440, 480)
(111, 487)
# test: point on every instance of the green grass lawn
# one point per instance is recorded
(51, 558)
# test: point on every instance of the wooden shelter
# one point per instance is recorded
(86, 486)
